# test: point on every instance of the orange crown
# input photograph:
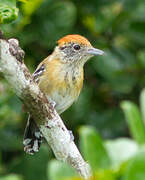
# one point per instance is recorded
(74, 38)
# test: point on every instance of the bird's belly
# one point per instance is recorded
(62, 101)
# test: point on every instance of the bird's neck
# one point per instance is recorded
(73, 71)
(72, 68)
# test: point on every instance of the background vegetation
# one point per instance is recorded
(114, 147)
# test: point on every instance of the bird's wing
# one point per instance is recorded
(40, 69)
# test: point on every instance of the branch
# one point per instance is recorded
(45, 116)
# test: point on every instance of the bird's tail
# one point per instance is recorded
(32, 137)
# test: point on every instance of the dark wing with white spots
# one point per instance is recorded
(39, 71)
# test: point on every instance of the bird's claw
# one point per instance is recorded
(32, 146)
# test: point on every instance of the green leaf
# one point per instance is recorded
(33, 4)
(142, 105)
(120, 150)
(105, 174)
(11, 177)
(60, 171)
(135, 169)
(8, 11)
(93, 149)
(134, 121)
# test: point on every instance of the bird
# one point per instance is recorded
(60, 77)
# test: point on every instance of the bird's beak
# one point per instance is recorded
(95, 52)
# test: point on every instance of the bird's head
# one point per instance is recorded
(75, 49)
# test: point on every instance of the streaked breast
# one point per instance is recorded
(61, 84)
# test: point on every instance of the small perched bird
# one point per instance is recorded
(60, 77)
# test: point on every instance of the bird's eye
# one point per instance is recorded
(76, 47)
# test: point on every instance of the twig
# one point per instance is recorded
(45, 116)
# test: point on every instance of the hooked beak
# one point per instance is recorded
(95, 52)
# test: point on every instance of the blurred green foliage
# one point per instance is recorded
(122, 158)
(118, 28)
(8, 11)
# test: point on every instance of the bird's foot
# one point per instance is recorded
(32, 145)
